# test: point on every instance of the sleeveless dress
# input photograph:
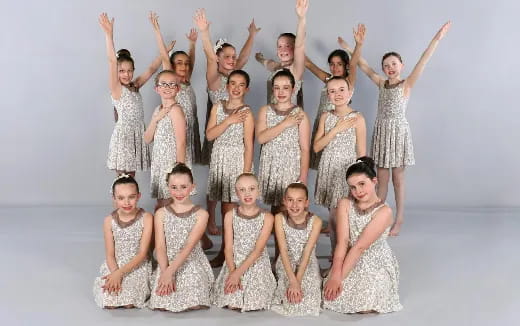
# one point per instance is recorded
(258, 282)
(164, 155)
(279, 158)
(187, 100)
(127, 150)
(296, 97)
(135, 287)
(373, 284)
(194, 279)
(297, 237)
(392, 139)
(338, 155)
(325, 106)
(227, 158)
(213, 98)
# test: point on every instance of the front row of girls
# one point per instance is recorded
(363, 278)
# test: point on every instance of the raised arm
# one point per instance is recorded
(113, 80)
(179, 125)
(243, 57)
(359, 37)
(269, 64)
(156, 63)
(374, 229)
(265, 134)
(192, 37)
(317, 71)
(249, 141)
(299, 44)
(419, 67)
(361, 136)
(202, 24)
(363, 64)
(163, 52)
(309, 246)
(304, 132)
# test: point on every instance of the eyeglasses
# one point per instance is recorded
(167, 85)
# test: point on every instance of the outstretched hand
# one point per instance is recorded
(301, 8)
(252, 28)
(200, 20)
(154, 19)
(444, 29)
(192, 35)
(106, 24)
(359, 34)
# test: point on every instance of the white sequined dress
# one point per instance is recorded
(325, 106)
(187, 100)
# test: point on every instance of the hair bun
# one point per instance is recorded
(124, 53)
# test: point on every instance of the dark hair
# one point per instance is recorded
(239, 72)
(343, 56)
(288, 35)
(392, 54)
(180, 168)
(222, 47)
(123, 179)
(156, 80)
(363, 165)
(176, 53)
(246, 174)
(338, 78)
(284, 73)
(297, 185)
(124, 55)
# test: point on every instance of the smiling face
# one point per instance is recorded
(237, 86)
(125, 72)
(337, 66)
(247, 190)
(227, 58)
(126, 197)
(167, 86)
(392, 67)
(282, 89)
(285, 49)
(361, 187)
(339, 92)
(181, 65)
(180, 187)
(296, 202)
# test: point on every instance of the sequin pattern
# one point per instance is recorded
(392, 139)
(194, 279)
(331, 183)
(188, 102)
(213, 97)
(325, 106)
(297, 239)
(127, 150)
(373, 284)
(258, 282)
(279, 159)
(135, 287)
(227, 159)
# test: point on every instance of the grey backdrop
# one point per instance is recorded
(57, 116)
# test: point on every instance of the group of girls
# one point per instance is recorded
(359, 220)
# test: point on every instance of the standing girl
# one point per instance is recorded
(341, 66)
(167, 129)
(221, 61)
(297, 269)
(284, 131)
(246, 281)
(392, 147)
(365, 275)
(182, 63)
(231, 126)
(127, 151)
(291, 53)
(124, 280)
(184, 277)
(341, 135)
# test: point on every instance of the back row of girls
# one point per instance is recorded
(281, 127)
(364, 275)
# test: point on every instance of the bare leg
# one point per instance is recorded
(275, 210)
(212, 223)
(398, 182)
(219, 258)
(332, 227)
(383, 176)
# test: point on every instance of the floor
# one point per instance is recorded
(458, 267)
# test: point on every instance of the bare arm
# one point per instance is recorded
(113, 80)
(309, 246)
(317, 71)
(425, 57)
(110, 253)
(299, 44)
(343, 238)
(179, 125)
(163, 52)
(269, 64)
(215, 130)
(249, 137)
(359, 36)
(282, 246)
(202, 24)
(228, 240)
(361, 136)
(363, 64)
(375, 228)
(304, 131)
(152, 126)
(192, 37)
(265, 134)
(322, 139)
(243, 57)
(160, 240)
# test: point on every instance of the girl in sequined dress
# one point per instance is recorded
(127, 151)
(340, 65)
(392, 146)
(167, 130)
(284, 131)
(182, 64)
(231, 126)
(246, 281)
(124, 276)
(184, 278)
(364, 276)
(291, 55)
(341, 135)
(299, 281)
(221, 61)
